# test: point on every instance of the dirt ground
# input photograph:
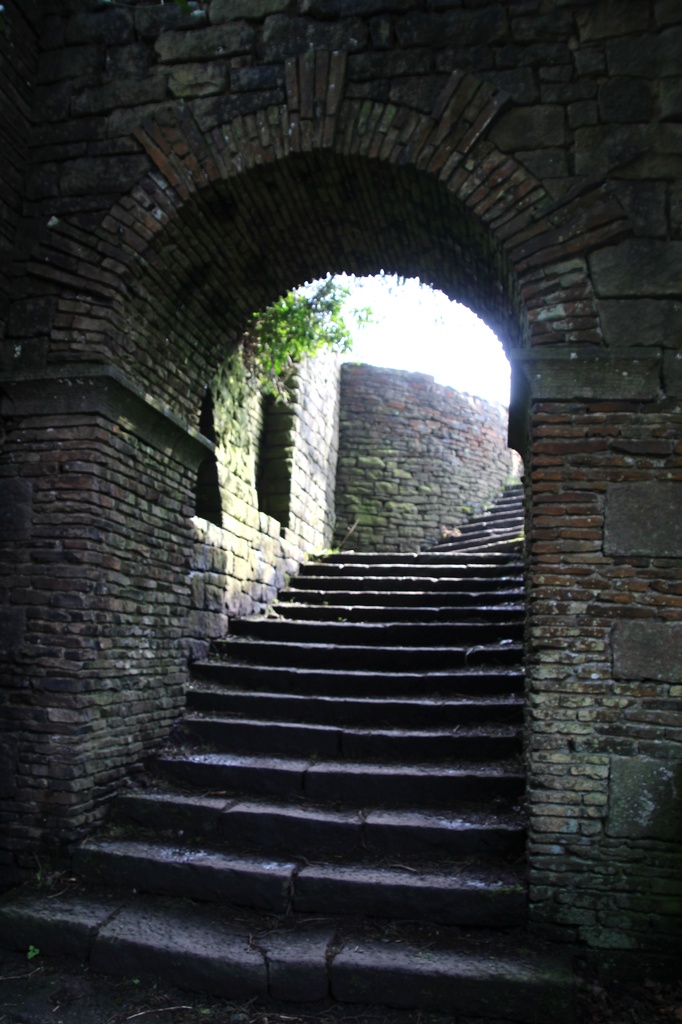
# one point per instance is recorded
(48, 992)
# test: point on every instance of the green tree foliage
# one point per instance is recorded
(297, 326)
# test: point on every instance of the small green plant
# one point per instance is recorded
(294, 327)
(32, 952)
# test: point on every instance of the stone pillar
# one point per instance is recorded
(96, 541)
(604, 647)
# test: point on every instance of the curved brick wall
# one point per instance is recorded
(414, 457)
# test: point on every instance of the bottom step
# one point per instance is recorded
(217, 952)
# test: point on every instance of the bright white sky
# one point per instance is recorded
(419, 329)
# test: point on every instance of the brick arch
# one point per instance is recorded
(481, 226)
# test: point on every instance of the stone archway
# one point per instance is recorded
(589, 417)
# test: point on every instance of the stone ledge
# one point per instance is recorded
(103, 389)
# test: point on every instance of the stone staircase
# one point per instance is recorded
(340, 815)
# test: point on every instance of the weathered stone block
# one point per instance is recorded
(638, 267)
(625, 100)
(671, 99)
(198, 79)
(635, 322)
(537, 127)
(229, 10)
(672, 374)
(102, 174)
(126, 93)
(647, 650)
(29, 317)
(645, 799)
(644, 519)
(205, 43)
(602, 148)
(597, 21)
(112, 27)
(651, 56)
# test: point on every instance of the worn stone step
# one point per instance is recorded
(455, 600)
(365, 712)
(427, 584)
(346, 782)
(483, 895)
(485, 542)
(477, 681)
(407, 558)
(334, 611)
(240, 735)
(290, 830)
(203, 948)
(356, 656)
(384, 634)
(442, 570)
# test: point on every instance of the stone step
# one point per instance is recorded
(486, 541)
(241, 735)
(408, 558)
(480, 896)
(426, 584)
(289, 830)
(449, 600)
(333, 611)
(356, 656)
(345, 782)
(477, 681)
(417, 570)
(364, 712)
(203, 948)
(384, 634)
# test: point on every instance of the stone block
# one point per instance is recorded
(297, 963)
(635, 322)
(672, 374)
(601, 149)
(192, 948)
(647, 650)
(102, 174)
(530, 127)
(219, 41)
(624, 100)
(638, 267)
(230, 10)
(644, 519)
(202, 79)
(648, 56)
(29, 317)
(645, 799)
(113, 28)
(126, 93)
(597, 21)
(671, 99)
(645, 203)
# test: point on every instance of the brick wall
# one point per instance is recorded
(415, 458)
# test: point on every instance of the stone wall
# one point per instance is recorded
(415, 457)
(18, 69)
(276, 465)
